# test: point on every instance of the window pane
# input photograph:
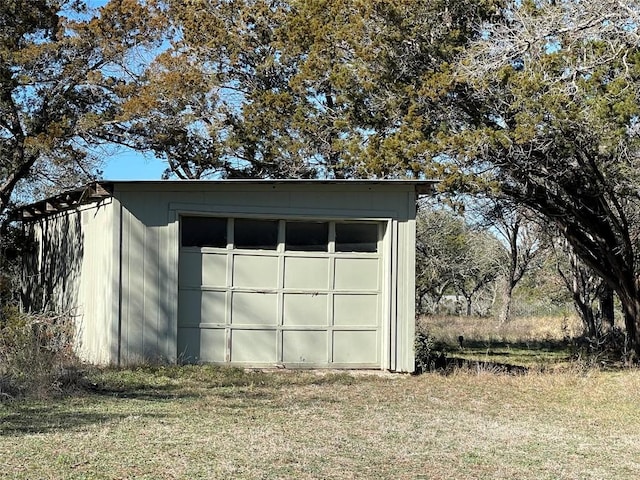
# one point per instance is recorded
(256, 234)
(204, 232)
(356, 237)
(307, 236)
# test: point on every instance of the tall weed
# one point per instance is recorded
(36, 354)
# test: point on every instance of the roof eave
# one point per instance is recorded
(99, 190)
(68, 200)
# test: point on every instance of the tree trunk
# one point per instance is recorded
(606, 306)
(630, 300)
(587, 315)
(507, 300)
(632, 330)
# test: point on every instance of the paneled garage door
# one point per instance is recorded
(268, 292)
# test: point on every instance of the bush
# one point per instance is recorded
(36, 354)
(610, 349)
(427, 358)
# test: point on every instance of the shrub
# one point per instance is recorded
(611, 348)
(36, 354)
(427, 358)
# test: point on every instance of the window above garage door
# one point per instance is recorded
(288, 235)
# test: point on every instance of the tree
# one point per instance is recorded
(553, 104)
(524, 239)
(440, 249)
(301, 88)
(61, 68)
(451, 256)
(480, 266)
(585, 288)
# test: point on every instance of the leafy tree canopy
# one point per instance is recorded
(554, 90)
(62, 68)
(302, 88)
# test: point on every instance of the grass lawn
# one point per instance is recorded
(206, 422)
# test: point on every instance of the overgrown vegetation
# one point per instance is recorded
(36, 355)
(554, 343)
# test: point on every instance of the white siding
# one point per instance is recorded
(98, 293)
(147, 323)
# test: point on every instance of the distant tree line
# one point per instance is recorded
(474, 264)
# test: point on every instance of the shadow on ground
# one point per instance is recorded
(20, 419)
(535, 347)
(22, 416)
(495, 356)
(451, 364)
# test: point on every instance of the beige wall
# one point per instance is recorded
(122, 272)
(71, 272)
(150, 251)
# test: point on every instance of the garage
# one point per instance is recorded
(277, 291)
(253, 273)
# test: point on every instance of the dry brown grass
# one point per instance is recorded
(161, 423)
(36, 356)
(487, 329)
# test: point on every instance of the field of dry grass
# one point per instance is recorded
(532, 342)
(192, 422)
(205, 422)
(487, 329)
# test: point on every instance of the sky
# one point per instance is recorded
(130, 165)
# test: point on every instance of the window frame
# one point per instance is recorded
(281, 233)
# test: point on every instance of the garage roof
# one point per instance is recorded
(98, 190)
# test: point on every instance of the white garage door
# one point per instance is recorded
(266, 292)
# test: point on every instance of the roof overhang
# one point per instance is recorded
(68, 200)
(99, 190)
(423, 187)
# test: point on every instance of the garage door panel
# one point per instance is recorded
(213, 307)
(355, 310)
(201, 345)
(251, 308)
(257, 346)
(201, 306)
(306, 273)
(356, 274)
(301, 309)
(356, 347)
(255, 271)
(190, 269)
(203, 269)
(304, 346)
(214, 270)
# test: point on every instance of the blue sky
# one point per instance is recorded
(130, 165)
